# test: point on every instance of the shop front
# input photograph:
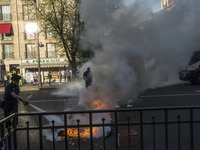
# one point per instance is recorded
(30, 67)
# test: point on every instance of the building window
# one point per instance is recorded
(5, 13)
(7, 51)
(30, 51)
(28, 12)
(51, 50)
(6, 37)
(49, 34)
(29, 36)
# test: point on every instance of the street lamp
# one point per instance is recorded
(32, 28)
(38, 48)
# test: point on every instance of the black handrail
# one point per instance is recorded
(117, 124)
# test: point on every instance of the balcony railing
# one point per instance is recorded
(160, 128)
(6, 17)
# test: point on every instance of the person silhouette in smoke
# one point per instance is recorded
(87, 76)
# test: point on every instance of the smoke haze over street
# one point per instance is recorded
(135, 48)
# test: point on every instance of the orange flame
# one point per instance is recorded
(85, 133)
(100, 104)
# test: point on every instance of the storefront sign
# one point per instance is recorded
(44, 61)
(53, 60)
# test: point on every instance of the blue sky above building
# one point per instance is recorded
(154, 4)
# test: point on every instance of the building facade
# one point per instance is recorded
(18, 47)
(166, 3)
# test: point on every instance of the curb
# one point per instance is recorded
(31, 88)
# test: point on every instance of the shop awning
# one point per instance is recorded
(6, 29)
(41, 66)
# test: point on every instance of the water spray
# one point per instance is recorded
(50, 118)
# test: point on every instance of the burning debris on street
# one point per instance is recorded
(83, 134)
(74, 134)
(97, 119)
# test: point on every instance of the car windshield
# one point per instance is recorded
(195, 57)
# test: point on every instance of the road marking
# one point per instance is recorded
(58, 100)
(169, 95)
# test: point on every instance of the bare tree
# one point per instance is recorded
(61, 18)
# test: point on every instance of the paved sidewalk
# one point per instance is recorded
(31, 87)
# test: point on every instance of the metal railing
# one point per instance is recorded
(160, 128)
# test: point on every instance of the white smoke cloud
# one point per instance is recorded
(136, 48)
(69, 89)
(73, 88)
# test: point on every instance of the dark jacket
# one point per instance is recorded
(8, 90)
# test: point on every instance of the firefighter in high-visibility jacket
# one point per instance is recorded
(9, 77)
(20, 81)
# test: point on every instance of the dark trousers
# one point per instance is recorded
(88, 83)
(5, 82)
(68, 79)
(49, 80)
(10, 109)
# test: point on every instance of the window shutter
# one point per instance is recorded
(34, 54)
(25, 54)
(24, 34)
(46, 52)
(3, 54)
(1, 16)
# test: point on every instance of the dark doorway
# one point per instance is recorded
(13, 68)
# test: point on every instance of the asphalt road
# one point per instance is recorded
(175, 95)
